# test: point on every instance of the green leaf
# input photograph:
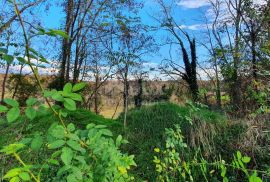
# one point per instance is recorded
(71, 178)
(63, 113)
(106, 132)
(58, 97)
(71, 127)
(69, 104)
(78, 86)
(254, 178)
(68, 88)
(246, 159)
(31, 113)
(15, 179)
(33, 51)
(238, 154)
(56, 154)
(13, 114)
(118, 141)
(58, 32)
(25, 176)
(3, 51)
(53, 161)
(12, 173)
(3, 109)
(100, 126)
(11, 102)
(74, 145)
(67, 155)
(43, 60)
(56, 144)
(22, 60)
(37, 143)
(49, 93)
(8, 58)
(73, 96)
(58, 132)
(31, 101)
(12, 148)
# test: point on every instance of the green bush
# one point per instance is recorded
(173, 164)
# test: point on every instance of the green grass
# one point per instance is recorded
(146, 128)
(145, 132)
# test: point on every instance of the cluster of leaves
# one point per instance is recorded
(76, 155)
(172, 165)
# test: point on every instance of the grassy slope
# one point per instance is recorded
(146, 130)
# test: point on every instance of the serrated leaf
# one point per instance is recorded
(31, 113)
(13, 114)
(11, 102)
(67, 155)
(69, 104)
(56, 144)
(25, 176)
(58, 132)
(37, 143)
(78, 86)
(74, 145)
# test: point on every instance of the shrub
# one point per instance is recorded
(73, 154)
(172, 164)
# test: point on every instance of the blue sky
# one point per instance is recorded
(188, 13)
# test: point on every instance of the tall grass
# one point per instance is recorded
(146, 127)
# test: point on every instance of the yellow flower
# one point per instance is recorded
(122, 170)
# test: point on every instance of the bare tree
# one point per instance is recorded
(188, 72)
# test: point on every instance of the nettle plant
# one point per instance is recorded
(172, 164)
(74, 154)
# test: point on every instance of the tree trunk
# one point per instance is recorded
(4, 83)
(96, 95)
(138, 97)
(66, 46)
(125, 95)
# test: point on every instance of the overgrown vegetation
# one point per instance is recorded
(182, 127)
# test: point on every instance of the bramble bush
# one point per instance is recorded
(76, 155)
(90, 154)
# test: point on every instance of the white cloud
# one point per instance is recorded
(194, 27)
(193, 3)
